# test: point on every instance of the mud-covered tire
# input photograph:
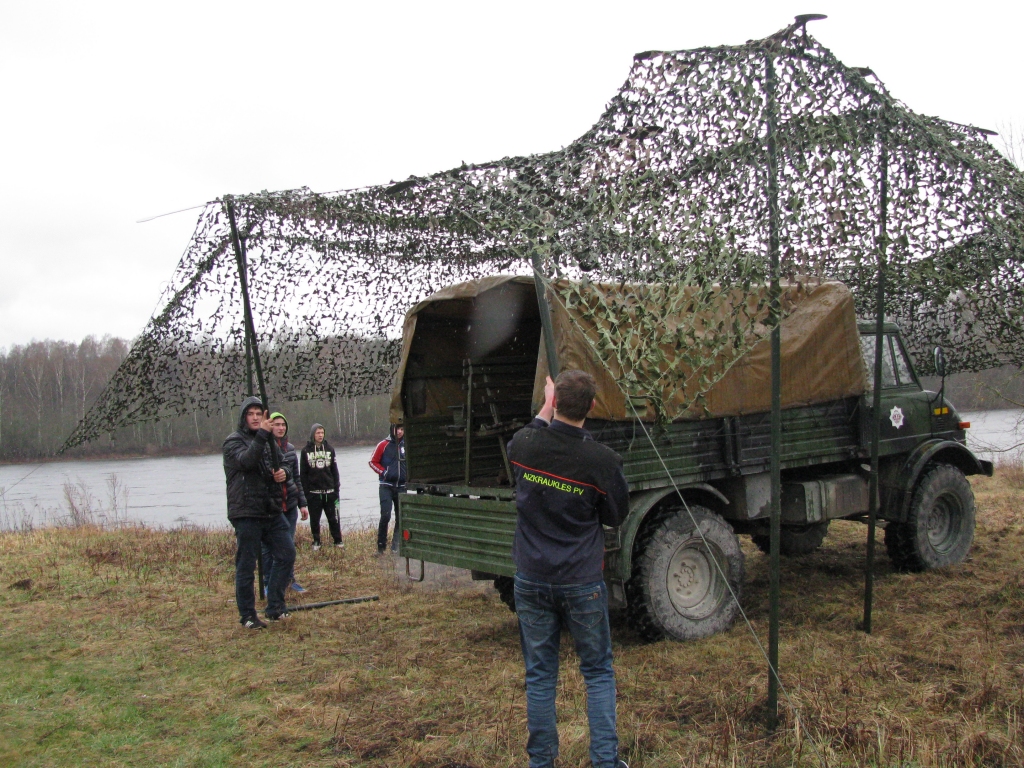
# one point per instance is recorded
(939, 529)
(506, 591)
(794, 540)
(675, 589)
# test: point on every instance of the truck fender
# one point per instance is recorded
(641, 504)
(900, 490)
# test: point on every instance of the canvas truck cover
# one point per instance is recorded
(821, 358)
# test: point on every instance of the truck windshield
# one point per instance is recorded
(902, 364)
(867, 350)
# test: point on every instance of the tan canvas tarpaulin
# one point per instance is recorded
(821, 357)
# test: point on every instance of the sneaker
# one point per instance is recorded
(339, 544)
(296, 587)
(316, 545)
(278, 616)
(380, 551)
(253, 623)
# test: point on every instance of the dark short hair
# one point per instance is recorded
(574, 394)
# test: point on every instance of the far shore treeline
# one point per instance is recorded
(47, 386)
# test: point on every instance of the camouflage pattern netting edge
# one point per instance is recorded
(670, 185)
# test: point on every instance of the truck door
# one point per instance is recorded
(906, 416)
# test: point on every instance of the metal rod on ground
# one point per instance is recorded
(545, 316)
(346, 601)
(776, 413)
(876, 400)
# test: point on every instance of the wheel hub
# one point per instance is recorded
(695, 587)
(942, 523)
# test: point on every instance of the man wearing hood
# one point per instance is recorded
(388, 461)
(321, 482)
(288, 496)
(255, 518)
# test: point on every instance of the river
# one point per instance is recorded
(190, 489)
(167, 491)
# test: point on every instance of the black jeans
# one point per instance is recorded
(388, 499)
(250, 534)
(325, 503)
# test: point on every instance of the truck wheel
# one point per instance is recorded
(794, 540)
(939, 529)
(506, 587)
(676, 590)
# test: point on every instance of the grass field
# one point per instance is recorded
(122, 647)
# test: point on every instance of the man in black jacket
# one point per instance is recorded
(567, 487)
(255, 518)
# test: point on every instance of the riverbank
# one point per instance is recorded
(122, 648)
(155, 453)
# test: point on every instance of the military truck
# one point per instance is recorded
(472, 372)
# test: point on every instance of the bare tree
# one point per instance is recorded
(1011, 141)
(35, 379)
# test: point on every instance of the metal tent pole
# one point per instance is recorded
(252, 349)
(876, 400)
(250, 329)
(545, 315)
(248, 362)
(776, 412)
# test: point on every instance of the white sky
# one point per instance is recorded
(114, 112)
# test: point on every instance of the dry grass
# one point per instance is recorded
(1011, 469)
(121, 647)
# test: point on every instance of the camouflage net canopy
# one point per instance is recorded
(672, 184)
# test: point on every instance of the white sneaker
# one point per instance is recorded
(315, 546)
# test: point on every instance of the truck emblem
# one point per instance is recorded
(896, 416)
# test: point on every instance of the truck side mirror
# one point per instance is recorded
(940, 362)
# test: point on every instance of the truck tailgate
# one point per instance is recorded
(458, 531)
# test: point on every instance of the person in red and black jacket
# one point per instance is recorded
(388, 461)
(567, 487)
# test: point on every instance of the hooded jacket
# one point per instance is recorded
(388, 460)
(293, 498)
(248, 469)
(318, 466)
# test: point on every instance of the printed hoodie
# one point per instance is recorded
(319, 466)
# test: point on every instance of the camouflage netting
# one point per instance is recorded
(671, 184)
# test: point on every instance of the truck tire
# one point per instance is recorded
(939, 529)
(675, 590)
(506, 587)
(794, 540)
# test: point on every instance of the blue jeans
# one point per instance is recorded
(542, 608)
(292, 518)
(388, 498)
(250, 534)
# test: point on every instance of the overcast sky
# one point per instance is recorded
(115, 112)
